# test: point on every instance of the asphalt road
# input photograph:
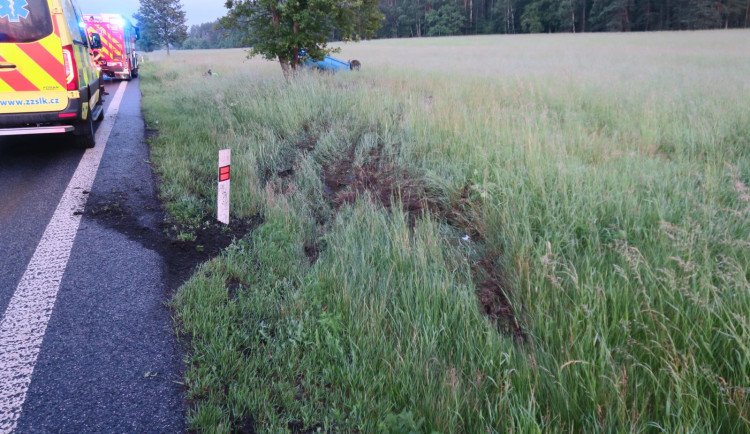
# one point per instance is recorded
(109, 360)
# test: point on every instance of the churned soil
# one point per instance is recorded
(141, 218)
(390, 185)
(387, 183)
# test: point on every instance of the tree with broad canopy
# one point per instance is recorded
(281, 29)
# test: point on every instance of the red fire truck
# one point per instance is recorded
(117, 56)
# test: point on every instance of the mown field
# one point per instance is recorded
(481, 234)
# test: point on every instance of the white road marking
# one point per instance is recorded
(25, 320)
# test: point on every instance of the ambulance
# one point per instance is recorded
(49, 83)
(117, 56)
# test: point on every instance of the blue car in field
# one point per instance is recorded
(328, 63)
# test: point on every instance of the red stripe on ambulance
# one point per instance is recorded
(46, 60)
(17, 81)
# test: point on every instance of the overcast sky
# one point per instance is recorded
(196, 11)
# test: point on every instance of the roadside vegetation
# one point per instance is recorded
(527, 233)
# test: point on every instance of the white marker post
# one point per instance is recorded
(223, 196)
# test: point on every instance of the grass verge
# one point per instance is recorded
(603, 224)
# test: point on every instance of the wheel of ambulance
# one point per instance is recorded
(83, 137)
(130, 75)
(101, 113)
(134, 74)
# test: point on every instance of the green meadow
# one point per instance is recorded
(478, 234)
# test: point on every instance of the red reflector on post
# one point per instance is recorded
(223, 173)
(66, 115)
(222, 191)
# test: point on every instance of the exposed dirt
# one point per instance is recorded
(462, 212)
(234, 287)
(344, 181)
(312, 251)
(308, 140)
(386, 182)
(142, 220)
(390, 185)
(494, 300)
(150, 133)
(244, 425)
(297, 427)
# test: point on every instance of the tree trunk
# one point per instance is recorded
(573, 19)
(668, 19)
(661, 17)
(583, 19)
(628, 7)
(471, 14)
(295, 51)
(490, 13)
(747, 12)
(727, 11)
(510, 24)
(283, 61)
(295, 59)
(507, 16)
(285, 67)
(275, 19)
(167, 48)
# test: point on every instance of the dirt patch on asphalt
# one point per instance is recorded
(182, 248)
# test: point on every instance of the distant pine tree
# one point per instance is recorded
(700, 14)
(611, 15)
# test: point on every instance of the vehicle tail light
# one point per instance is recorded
(71, 71)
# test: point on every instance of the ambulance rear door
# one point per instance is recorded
(32, 66)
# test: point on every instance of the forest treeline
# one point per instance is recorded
(417, 18)
(410, 18)
(209, 35)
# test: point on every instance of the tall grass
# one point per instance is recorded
(607, 174)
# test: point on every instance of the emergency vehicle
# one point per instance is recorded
(117, 56)
(48, 80)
